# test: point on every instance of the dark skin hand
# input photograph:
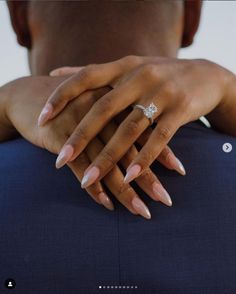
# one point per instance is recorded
(170, 84)
(19, 113)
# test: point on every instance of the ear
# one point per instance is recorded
(192, 13)
(19, 19)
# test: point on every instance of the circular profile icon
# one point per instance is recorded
(227, 147)
(10, 283)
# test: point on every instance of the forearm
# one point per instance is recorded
(223, 117)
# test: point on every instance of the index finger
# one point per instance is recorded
(88, 78)
(97, 118)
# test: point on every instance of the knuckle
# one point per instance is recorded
(83, 74)
(105, 106)
(170, 89)
(131, 60)
(131, 129)
(87, 73)
(125, 190)
(147, 175)
(79, 135)
(149, 71)
(164, 133)
(109, 156)
(146, 159)
(185, 108)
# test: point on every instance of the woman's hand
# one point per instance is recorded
(22, 111)
(182, 90)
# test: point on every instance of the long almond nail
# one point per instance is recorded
(161, 193)
(45, 114)
(90, 177)
(64, 156)
(132, 173)
(141, 208)
(105, 200)
(176, 164)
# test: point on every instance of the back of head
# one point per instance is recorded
(78, 32)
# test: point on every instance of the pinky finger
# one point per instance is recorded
(166, 157)
(170, 161)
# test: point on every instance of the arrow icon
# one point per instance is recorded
(227, 147)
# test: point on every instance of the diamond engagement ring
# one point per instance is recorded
(148, 111)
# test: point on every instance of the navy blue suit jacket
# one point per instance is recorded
(55, 239)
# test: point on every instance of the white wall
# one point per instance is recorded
(13, 58)
(216, 40)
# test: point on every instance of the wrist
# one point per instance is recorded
(224, 114)
(7, 130)
(219, 80)
(230, 90)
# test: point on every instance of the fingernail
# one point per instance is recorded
(141, 208)
(64, 156)
(54, 73)
(105, 200)
(90, 177)
(45, 114)
(176, 164)
(161, 193)
(132, 173)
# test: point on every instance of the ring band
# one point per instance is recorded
(148, 111)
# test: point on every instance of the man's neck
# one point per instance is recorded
(80, 33)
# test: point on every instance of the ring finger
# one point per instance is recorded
(127, 133)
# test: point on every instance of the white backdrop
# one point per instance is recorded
(216, 40)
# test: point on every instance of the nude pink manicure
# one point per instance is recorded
(176, 164)
(141, 208)
(45, 114)
(161, 193)
(105, 201)
(132, 173)
(90, 177)
(64, 156)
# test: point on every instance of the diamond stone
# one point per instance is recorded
(150, 110)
